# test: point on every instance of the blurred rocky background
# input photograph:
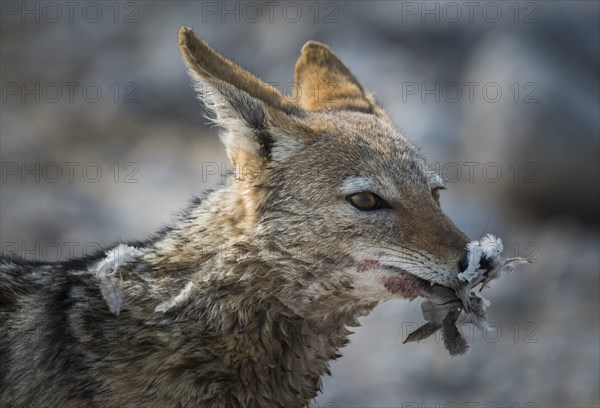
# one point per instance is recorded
(102, 140)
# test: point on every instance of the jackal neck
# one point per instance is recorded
(278, 321)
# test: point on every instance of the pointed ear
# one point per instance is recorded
(323, 82)
(242, 103)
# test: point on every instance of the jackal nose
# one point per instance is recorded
(463, 263)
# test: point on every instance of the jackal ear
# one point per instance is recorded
(242, 104)
(323, 82)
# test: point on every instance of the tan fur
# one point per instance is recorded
(209, 64)
(322, 81)
(249, 295)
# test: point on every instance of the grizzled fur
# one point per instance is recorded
(249, 295)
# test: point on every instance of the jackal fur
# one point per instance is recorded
(245, 298)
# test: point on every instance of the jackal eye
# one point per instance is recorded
(366, 201)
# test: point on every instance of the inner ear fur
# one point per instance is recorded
(236, 98)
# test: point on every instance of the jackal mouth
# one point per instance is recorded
(410, 286)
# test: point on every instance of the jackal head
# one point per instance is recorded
(324, 176)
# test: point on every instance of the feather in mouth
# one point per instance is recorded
(447, 308)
